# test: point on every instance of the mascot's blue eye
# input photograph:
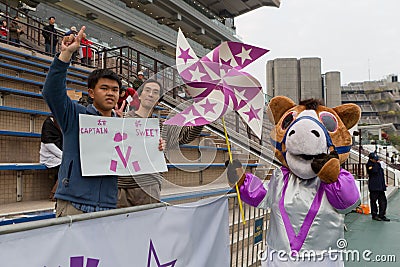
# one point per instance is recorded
(288, 120)
(329, 121)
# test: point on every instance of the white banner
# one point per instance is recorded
(194, 235)
(115, 146)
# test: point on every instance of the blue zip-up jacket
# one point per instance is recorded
(98, 191)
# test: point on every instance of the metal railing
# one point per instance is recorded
(32, 37)
(246, 240)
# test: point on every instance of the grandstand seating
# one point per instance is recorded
(23, 110)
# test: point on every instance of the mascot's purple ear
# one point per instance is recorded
(349, 114)
(277, 107)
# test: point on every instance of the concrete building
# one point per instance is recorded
(379, 100)
(301, 79)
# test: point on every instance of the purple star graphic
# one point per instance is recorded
(152, 250)
(252, 113)
(208, 107)
(185, 54)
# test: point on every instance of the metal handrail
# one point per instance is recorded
(243, 250)
(32, 38)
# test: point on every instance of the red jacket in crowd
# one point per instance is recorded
(86, 48)
(135, 102)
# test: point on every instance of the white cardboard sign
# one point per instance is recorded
(116, 146)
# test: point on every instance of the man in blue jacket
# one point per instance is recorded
(77, 194)
(377, 188)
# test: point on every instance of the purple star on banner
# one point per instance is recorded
(152, 251)
(253, 113)
(185, 54)
(78, 262)
(208, 106)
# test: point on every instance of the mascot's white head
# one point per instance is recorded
(305, 131)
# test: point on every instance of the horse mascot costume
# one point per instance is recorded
(309, 195)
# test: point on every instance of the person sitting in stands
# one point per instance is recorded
(51, 148)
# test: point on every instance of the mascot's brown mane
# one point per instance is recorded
(311, 103)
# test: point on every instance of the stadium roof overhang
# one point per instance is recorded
(202, 21)
(234, 8)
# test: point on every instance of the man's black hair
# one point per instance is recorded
(140, 89)
(96, 75)
(52, 17)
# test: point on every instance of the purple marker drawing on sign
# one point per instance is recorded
(138, 124)
(127, 155)
(92, 262)
(113, 165)
(118, 137)
(136, 166)
(76, 261)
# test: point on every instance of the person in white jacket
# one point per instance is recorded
(51, 148)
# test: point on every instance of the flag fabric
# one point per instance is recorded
(218, 84)
(194, 234)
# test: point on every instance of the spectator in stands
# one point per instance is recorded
(50, 36)
(51, 148)
(3, 30)
(15, 31)
(139, 80)
(86, 51)
(145, 188)
(75, 193)
(129, 98)
(376, 187)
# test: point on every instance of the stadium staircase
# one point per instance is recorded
(23, 110)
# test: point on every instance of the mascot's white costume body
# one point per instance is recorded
(310, 193)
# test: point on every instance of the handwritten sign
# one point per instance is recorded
(115, 146)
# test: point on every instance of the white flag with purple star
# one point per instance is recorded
(194, 234)
(218, 85)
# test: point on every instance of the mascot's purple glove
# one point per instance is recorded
(252, 191)
(327, 167)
